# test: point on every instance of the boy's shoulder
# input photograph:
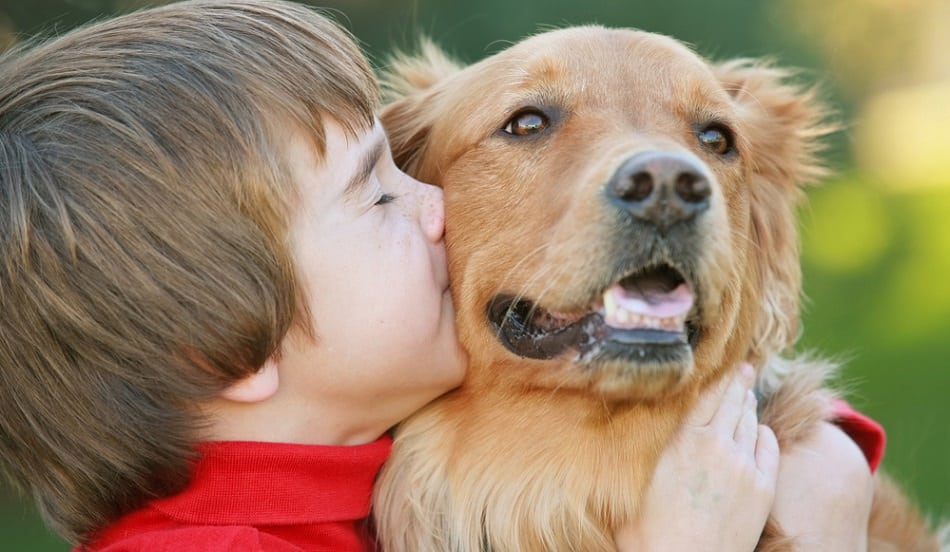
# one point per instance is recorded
(148, 530)
(211, 538)
(255, 496)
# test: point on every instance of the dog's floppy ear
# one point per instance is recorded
(408, 82)
(782, 125)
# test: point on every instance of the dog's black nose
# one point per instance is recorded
(660, 188)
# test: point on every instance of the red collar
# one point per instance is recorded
(256, 483)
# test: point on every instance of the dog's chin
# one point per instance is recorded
(623, 380)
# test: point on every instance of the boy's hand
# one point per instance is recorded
(714, 485)
(824, 492)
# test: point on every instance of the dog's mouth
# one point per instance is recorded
(647, 315)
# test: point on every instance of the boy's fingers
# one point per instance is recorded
(747, 431)
(767, 454)
(711, 400)
(732, 406)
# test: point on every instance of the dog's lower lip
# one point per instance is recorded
(510, 320)
(647, 337)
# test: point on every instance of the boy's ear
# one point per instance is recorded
(257, 387)
(781, 131)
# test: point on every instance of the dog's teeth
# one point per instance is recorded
(623, 316)
(619, 314)
(610, 305)
(618, 317)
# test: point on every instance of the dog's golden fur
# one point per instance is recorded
(553, 453)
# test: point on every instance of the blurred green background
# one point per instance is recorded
(876, 237)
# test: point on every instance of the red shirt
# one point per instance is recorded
(868, 434)
(278, 497)
(253, 496)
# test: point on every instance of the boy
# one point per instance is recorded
(156, 259)
(219, 292)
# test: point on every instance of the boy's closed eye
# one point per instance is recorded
(384, 199)
(365, 168)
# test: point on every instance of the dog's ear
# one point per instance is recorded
(782, 126)
(408, 83)
(783, 122)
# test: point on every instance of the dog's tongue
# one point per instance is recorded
(649, 301)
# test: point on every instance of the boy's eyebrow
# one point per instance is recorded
(365, 167)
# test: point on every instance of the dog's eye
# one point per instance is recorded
(716, 139)
(526, 122)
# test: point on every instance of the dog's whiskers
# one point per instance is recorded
(514, 268)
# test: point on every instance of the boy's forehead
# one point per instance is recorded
(347, 161)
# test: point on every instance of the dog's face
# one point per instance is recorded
(619, 211)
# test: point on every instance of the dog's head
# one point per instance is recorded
(620, 212)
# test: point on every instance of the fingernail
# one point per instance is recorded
(747, 371)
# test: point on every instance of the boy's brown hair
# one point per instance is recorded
(144, 263)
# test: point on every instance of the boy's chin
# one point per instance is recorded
(434, 390)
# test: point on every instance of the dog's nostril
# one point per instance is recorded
(692, 187)
(632, 187)
(638, 188)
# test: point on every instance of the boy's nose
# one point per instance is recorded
(432, 217)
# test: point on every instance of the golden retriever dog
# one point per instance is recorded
(621, 232)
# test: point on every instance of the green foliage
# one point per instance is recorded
(875, 265)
